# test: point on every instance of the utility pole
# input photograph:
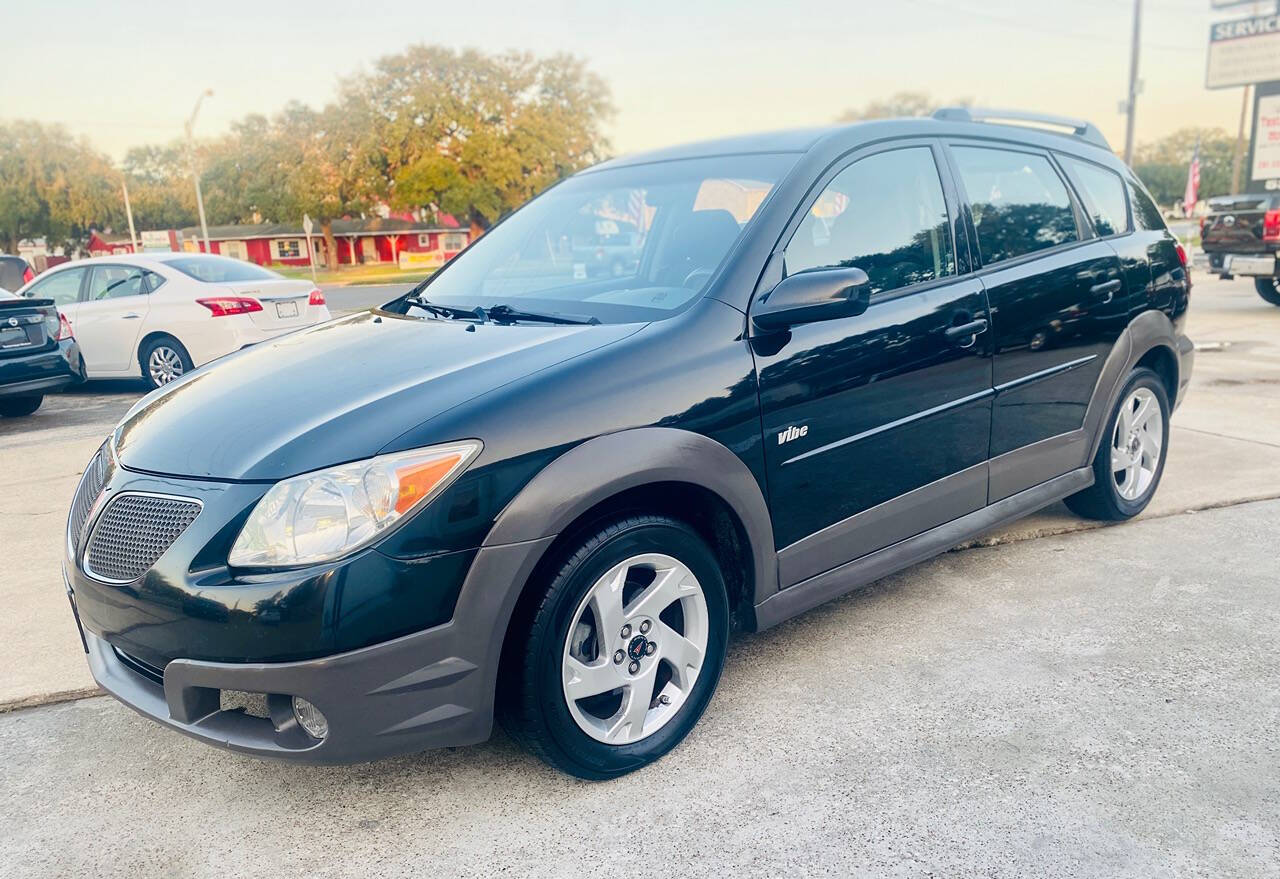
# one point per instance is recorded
(191, 154)
(1238, 160)
(1132, 101)
(128, 212)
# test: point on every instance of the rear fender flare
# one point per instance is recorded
(1150, 329)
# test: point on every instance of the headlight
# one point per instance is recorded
(320, 516)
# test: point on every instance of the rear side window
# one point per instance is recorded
(1103, 195)
(1020, 204)
(62, 287)
(112, 282)
(884, 214)
(1145, 213)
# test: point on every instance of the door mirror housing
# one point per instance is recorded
(808, 297)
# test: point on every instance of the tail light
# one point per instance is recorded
(1182, 254)
(223, 306)
(316, 297)
(64, 329)
(27, 275)
(1204, 221)
(1271, 226)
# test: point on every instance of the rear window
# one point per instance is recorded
(220, 269)
(1103, 193)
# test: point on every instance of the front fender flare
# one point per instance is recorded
(600, 468)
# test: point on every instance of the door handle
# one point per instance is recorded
(963, 331)
(1111, 288)
(132, 315)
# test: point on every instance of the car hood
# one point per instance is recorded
(337, 392)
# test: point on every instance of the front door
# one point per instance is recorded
(110, 318)
(1058, 304)
(877, 426)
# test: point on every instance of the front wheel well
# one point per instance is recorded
(700, 508)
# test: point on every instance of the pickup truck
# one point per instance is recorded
(1241, 236)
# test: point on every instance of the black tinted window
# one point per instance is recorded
(62, 287)
(113, 281)
(1020, 204)
(1103, 195)
(1145, 213)
(884, 214)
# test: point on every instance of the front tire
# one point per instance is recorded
(164, 360)
(1268, 289)
(1131, 456)
(614, 660)
(18, 407)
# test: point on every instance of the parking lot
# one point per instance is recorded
(1058, 699)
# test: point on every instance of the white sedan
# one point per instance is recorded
(163, 314)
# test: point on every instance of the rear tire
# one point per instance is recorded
(1268, 289)
(1131, 455)
(163, 360)
(17, 407)
(581, 688)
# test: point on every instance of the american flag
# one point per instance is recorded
(1192, 193)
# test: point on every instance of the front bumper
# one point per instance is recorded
(433, 688)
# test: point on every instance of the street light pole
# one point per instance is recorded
(195, 175)
(1132, 101)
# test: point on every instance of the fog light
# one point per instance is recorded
(310, 718)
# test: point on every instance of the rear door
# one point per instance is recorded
(111, 316)
(877, 426)
(1058, 304)
(284, 303)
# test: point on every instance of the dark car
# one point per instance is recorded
(14, 272)
(1241, 235)
(522, 493)
(37, 353)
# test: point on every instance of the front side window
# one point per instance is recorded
(114, 281)
(1020, 204)
(884, 214)
(1103, 195)
(220, 269)
(62, 287)
(620, 244)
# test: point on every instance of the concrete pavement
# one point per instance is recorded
(1097, 704)
(1224, 448)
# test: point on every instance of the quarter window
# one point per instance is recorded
(114, 281)
(1103, 194)
(1020, 204)
(884, 214)
(62, 287)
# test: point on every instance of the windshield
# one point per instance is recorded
(627, 244)
(220, 269)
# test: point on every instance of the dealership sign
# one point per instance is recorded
(1244, 52)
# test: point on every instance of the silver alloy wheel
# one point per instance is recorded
(164, 364)
(1136, 443)
(625, 670)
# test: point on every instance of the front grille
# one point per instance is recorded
(133, 532)
(91, 484)
(146, 669)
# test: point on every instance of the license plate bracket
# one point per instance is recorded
(14, 337)
(286, 309)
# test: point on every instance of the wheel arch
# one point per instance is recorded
(1149, 340)
(661, 470)
(153, 336)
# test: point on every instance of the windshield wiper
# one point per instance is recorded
(449, 311)
(507, 314)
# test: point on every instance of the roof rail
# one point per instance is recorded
(1082, 129)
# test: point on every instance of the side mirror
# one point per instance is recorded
(808, 297)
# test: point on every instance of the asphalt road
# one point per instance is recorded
(1097, 704)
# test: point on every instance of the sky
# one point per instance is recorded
(127, 73)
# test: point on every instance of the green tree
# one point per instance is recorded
(477, 135)
(898, 105)
(160, 187)
(1162, 165)
(54, 186)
